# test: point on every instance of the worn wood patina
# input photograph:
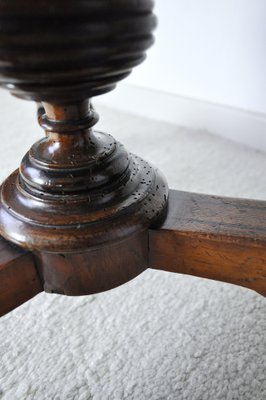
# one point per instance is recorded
(89, 215)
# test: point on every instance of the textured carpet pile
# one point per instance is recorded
(160, 336)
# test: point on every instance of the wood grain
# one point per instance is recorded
(212, 237)
(19, 280)
(95, 270)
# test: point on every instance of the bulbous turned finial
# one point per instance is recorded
(71, 50)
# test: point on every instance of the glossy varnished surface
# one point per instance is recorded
(80, 202)
(78, 192)
(77, 188)
(71, 50)
(212, 237)
(205, 236)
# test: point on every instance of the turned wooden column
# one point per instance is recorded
(89, 215)
(79, 200)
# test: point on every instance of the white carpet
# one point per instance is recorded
(161, 336)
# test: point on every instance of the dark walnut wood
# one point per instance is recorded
(212, 237)
(61, 50)
(94, 270)
(85, 207)
(80, 201)
(78, 189)
(206, 236)
(19, 280)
